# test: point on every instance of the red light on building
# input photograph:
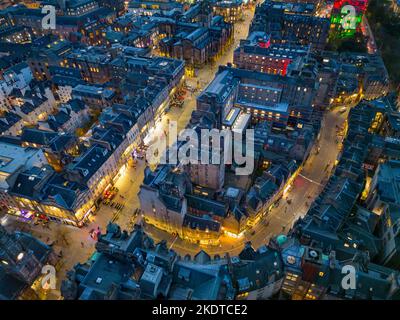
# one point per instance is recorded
(264, 44)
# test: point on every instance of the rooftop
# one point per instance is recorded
(13, 156)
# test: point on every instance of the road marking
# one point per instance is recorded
(312, 181)
(277, 217)
(115, 217)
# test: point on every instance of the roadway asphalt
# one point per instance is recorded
(76, 245)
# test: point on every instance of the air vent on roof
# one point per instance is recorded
(152, 269)
(291, 259)
(262, 249)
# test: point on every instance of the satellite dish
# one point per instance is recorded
(313, 254)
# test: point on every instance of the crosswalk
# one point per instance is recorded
(310, 180)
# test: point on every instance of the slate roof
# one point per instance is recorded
(388, 183)
(27, 182)
(8, 120)
(61, 142)
(103, 275)
(205, 281)
(57, 120)
(62, 192)
(91, 161)
(10, 287)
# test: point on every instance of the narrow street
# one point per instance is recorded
(368, 34)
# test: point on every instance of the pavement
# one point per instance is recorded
(305, 188)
